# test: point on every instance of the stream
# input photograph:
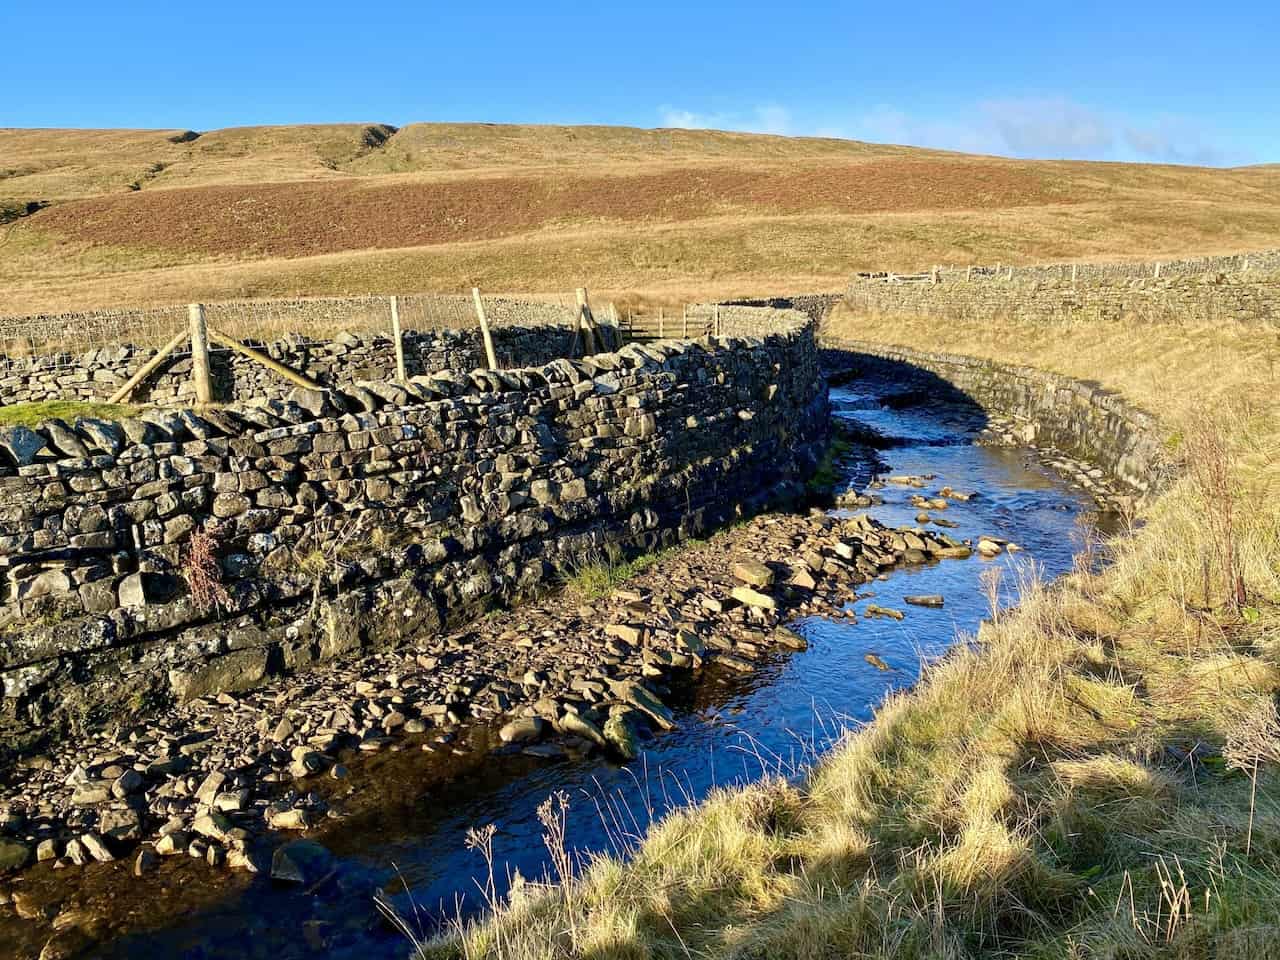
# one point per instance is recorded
(413, 848)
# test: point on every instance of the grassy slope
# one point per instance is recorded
(1031, 797)
(358, 208)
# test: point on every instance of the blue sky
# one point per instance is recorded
(1178, 82)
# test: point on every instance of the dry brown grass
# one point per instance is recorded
(329, 209)
(1033, 797)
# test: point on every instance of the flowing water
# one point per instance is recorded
(414, 848)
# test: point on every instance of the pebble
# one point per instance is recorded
(925, 600)
(203, 778)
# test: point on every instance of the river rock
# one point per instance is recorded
(67, 943)
(173, 844)
(925, 600)
(875, 610)
(789, 639)
(13, 855)
(145, 862)
(122, 825)
(293, 818)
(753, 573)
(579, 726)
(620, 733)
(522, 730)
(307, 764)
(128, 782)
(754, 598)
(638, 696)
(95, 847)
(302, 862)
(215, 826)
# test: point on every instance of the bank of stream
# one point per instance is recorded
(404, 839)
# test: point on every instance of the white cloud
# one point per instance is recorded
(683, 119)
(766, 118)
(1041, 127)
(1173, 140)
(1048, 127)
(772, 118)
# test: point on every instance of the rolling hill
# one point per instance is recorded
(126, 217)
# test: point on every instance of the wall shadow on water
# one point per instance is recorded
(905, 385)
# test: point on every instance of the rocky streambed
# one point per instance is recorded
(264, 823)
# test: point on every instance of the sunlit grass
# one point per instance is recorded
(1059, 788)
(30, 414)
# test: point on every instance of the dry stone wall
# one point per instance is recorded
(1252, 297)
(345, 359)
(1078, 418)
(182, 553)
(1261, 261)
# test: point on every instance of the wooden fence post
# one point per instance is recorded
(398, 339)
(200, 354)
(715, 320)
(586, 322)
(484, 329)
(662, 331)
(684, 321)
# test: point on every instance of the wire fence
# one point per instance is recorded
(65, 341)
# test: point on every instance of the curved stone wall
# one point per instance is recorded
(1078, 418)
(182, 553)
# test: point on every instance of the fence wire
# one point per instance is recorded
(74, 340)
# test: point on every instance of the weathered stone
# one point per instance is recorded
(213, 825)
(144, 589)
(230, 505)
(292, 819)
(145, 862)
(23, 445)
(128, 782)
(96, 848)
(754, 598)
(621, 734)
(301, 861)
(13, 855)
(753, 573)
(239, 670)
(626, 632)
(925, 600)
(579, 726)
(522, 730)
(876, 662)
(122, 825)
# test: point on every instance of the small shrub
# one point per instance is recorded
(202, 569)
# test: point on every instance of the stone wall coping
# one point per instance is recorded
(53, 446)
